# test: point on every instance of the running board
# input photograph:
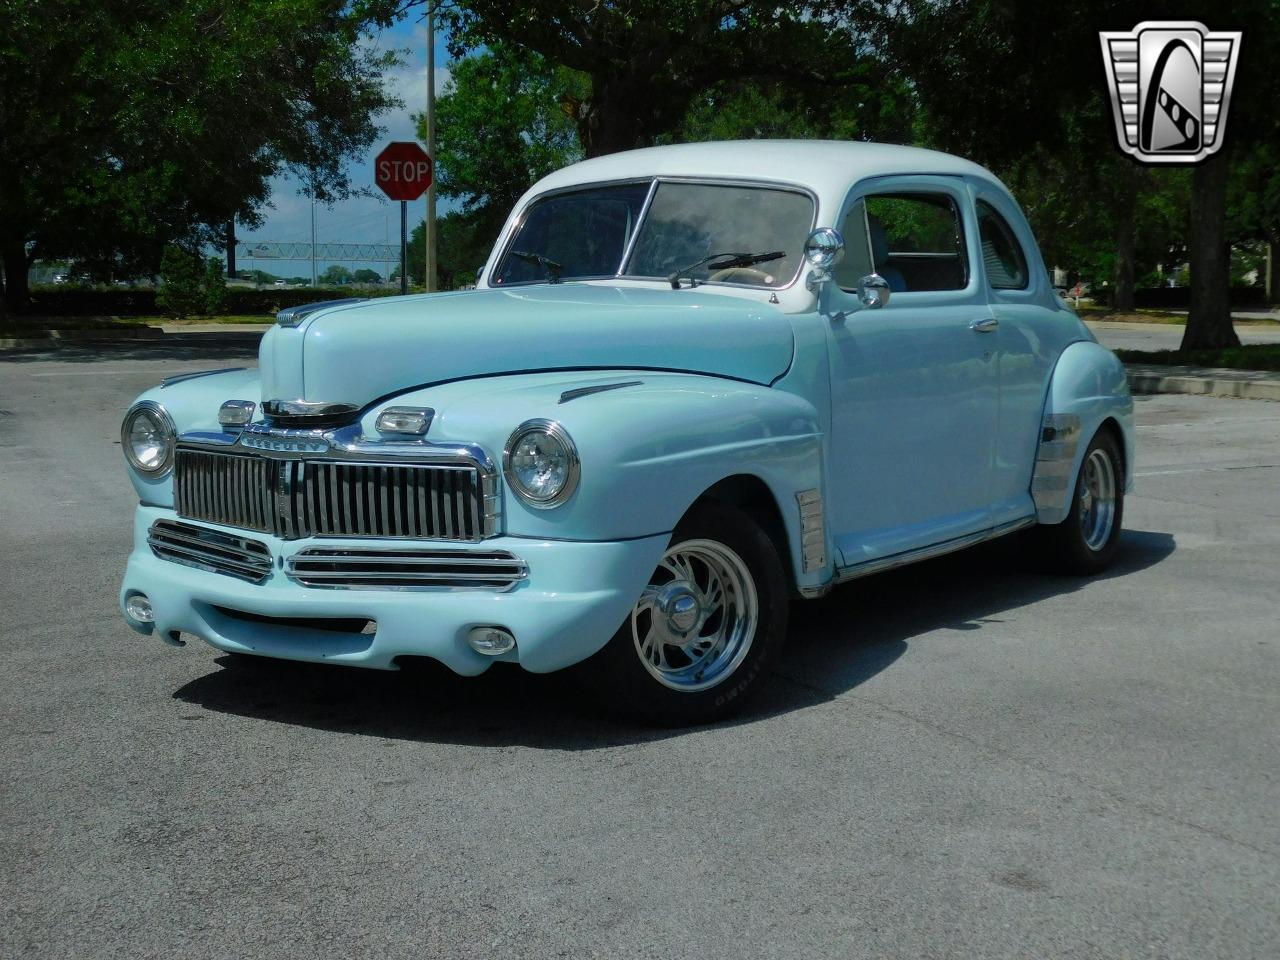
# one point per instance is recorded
(845, 574)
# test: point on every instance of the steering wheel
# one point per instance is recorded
(742, 275)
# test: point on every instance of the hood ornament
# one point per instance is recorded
(308, 413)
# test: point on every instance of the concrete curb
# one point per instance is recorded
(1204, 381)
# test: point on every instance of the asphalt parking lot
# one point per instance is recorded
(963, 759)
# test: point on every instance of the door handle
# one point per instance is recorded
(985, 325)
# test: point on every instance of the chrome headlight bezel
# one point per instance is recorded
(160, 417)
(558, 436)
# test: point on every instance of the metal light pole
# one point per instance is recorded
(313, 239)
(430, 231)
(404, 248)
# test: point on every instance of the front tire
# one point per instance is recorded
(699, 638)
(1085, 542)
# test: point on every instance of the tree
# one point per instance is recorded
(995, 84)
(182, 291)
(465, 240)
(126, 126)
(500, 126)
(646, 60)
(365, 275)
(1253, 208)
(335, 275)
(215, 286)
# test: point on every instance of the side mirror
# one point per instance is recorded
(873, 291)
(824, 249)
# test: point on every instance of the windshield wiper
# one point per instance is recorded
(729, 260)
(553, 269)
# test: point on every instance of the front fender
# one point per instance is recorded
(648, 451)
(1088, 387)
(192, 404)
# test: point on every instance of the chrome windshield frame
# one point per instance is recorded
(654, 183)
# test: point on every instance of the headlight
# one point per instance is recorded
(541, 463)
(147, 436)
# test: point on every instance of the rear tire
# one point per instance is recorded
(703, 631)
(1085, 542)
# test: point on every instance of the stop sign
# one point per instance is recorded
(403, 171)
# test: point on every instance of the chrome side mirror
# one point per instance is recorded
(824, 249)
(873, 291)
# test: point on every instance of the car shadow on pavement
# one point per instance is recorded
(834, 645)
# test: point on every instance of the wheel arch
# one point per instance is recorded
(754, 497)
(1088, 392)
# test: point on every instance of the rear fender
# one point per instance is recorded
(1088, 388)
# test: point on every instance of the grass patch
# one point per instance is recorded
(1132, 316)
(1147, 315)
(1264, 356)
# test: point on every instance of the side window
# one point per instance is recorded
(1002, 257)
(913, 240)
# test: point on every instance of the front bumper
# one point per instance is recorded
(575, 597)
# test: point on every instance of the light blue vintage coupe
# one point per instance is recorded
(695, 383)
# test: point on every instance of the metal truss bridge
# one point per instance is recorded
(358, 252)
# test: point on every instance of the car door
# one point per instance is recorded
(913, 384)
(1032, 332)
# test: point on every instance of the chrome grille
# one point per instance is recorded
(210, 550)
(298, 498)
(372, 568)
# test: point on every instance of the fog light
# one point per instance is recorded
(138, 607)
(236, 413)
(491, 641)
(411, 420)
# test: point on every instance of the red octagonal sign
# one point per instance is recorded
(403, 171)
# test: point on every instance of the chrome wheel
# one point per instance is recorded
(1097, 498)
(697, 618)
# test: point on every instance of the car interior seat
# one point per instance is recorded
(880, 255)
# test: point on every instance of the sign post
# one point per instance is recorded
(403, 171)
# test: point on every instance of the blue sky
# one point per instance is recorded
(369, 219)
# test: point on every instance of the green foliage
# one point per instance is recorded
(645, 61)
(365, 275)
(336, 275)
(1250, 357)
(60, 301)
(182, 290)
(127, 126)
(500, 126)
(215, 286)
(464, 240)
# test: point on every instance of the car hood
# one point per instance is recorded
(357, 353)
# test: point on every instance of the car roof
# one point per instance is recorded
(825, 166)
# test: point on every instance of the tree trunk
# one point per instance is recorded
(1125, 209)
(16, 265)
(231, 249)
(1124, 276)
(1273, 272)
(610, 121)
(1209, 325)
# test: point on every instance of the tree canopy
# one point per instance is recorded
(125, 127)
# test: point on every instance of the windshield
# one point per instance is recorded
(585, 234)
